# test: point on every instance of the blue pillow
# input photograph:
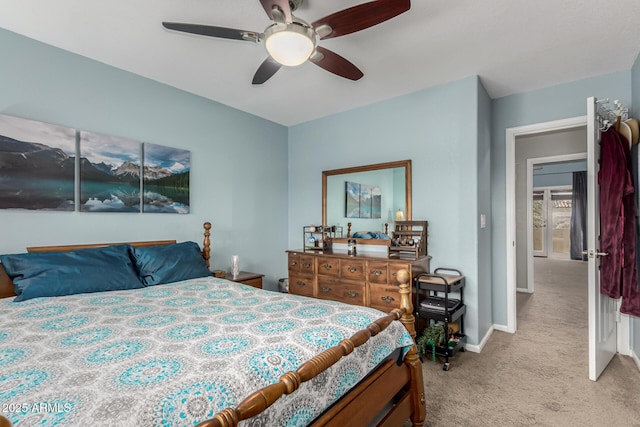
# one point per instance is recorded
(52, 274)
(161, 264)
(362, 235)
(380, 236)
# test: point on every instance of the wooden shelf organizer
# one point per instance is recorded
(403, 233)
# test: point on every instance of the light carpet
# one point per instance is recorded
(539, 375)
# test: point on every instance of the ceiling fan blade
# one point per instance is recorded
(266, 70)
(284, 16)
(211, 31)
(359, 17)
(336, 64)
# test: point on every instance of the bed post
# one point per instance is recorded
(411, 359)
(206, 245)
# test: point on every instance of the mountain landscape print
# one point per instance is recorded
(165, 179)
(37, 165)
(109, 173)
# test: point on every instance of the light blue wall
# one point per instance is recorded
(552, 103)
(239, 161)
(635, 112)
(438, 130)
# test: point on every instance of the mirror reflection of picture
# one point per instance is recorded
(362, 201)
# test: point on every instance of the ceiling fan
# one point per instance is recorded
(290, 41)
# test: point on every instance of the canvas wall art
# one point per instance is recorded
(109, 173)
(362, 201)
(37, 165)
(166, 179)
(38, 162)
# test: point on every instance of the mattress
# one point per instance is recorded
(175, 354)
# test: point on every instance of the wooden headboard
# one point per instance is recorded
(6, 285)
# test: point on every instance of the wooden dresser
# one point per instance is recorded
(367, 279)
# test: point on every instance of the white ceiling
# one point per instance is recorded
(513, 45)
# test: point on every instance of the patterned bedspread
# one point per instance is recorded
(174, 355)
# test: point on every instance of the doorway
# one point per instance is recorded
(595, 308)
(518, 248)
(549, 206)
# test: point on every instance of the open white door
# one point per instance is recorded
(602, 309)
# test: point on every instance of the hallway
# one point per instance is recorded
(560, 291)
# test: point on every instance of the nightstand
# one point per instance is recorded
(247, 278)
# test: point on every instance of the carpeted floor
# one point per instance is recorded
(539, 375)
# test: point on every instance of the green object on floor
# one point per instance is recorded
(430, 337)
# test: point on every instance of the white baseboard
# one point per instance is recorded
(502, 328)
(477, 348)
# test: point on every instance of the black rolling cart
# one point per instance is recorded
(434, 303)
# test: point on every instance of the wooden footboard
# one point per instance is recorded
(395, 390)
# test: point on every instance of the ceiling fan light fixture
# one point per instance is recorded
(290, 44)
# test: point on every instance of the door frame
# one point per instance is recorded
(531, 162)
(510, 204)
(624, 336)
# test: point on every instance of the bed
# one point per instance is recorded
(198, 351)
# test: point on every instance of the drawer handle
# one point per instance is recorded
(387, 299)
(294, 263)
(395, 273)
(326, 289)
(327, 266)
(352, 294)
(376, 272)
(306, 265)
(352, 269)
(300, 283)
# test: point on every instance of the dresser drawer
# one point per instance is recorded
(301, 284)
(294, 262)
(352, 269)
(328, 266)
(307, 264)
(338, 290)
(393, 271)
(378, 272)
(384, 297)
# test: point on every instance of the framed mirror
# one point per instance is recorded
(367, 196)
